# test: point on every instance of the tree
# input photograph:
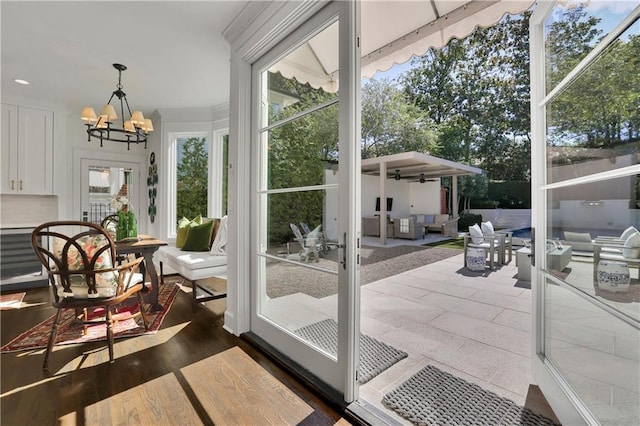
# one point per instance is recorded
(390, 125)
(192, 179)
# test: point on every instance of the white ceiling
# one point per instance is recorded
(174, 51)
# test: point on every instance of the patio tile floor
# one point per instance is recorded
(475, 326)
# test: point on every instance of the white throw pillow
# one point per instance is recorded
(487, 228)
(634, 242)
(628, 232)
(476, 234)
(219, 246)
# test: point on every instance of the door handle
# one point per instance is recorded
(20, 184)
(343, 246)
(533, 247)
(13, 184)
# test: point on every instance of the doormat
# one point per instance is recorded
(70, 331)
(375, 356)
(11, 301)
(434, 397)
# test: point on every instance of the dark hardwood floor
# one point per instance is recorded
(191, 372)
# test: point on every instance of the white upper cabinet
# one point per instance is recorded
(27, 151)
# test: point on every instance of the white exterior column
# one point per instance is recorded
(454, 196)
(383, 203)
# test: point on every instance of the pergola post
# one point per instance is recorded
(383, 203)
(454, 196)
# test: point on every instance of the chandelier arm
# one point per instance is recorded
(127, 102)
(111, 97)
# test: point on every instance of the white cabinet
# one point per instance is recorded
(27, 151)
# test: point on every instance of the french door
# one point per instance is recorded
(305, 174)
(585, 91)
(103, 182)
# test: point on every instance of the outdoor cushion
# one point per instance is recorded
(198, 237)
(579, 240)
(476, 234)
(628, 232)
(420, 218)
(429, 218)
(634, 242)
(487, 228)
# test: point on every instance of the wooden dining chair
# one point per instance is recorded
(80, 262)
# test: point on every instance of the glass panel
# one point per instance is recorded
(110, 189)
(303, 301)
(590, 225)
(596, 353)
(304, 78)
(574, 28)
(301, 151)
(303, 223)
(192, 183)
(592, 126)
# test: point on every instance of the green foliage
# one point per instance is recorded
(468, 219)
(298, 154)
(505, 195)
(192, 179)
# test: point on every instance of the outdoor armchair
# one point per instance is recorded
(408, 228)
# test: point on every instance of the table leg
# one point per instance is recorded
(152, 297)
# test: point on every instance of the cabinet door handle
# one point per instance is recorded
(20, 185)
(13, 184)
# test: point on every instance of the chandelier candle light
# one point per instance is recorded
(134, 130)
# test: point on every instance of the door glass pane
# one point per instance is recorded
(298, 196)
(596, 353)
(592, 126)
(593, 241)
(303, 150)
(574, 28)
(110, 189)
(299, 81)
(192, 154)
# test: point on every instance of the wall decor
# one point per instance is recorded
(152, 181)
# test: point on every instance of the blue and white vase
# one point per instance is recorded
(613, 276)
(476, 259)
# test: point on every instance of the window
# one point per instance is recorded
(197, 176)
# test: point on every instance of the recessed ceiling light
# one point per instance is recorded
(20, 81)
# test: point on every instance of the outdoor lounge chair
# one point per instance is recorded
(310, 245)
(443, 224)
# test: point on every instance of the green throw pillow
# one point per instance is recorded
(183, 230)
(184, 225)
(198, 237)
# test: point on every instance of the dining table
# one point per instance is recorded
(144, 246)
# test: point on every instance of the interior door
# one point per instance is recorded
(585, 94)
(305, 182)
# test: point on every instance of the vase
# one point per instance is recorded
(476, 259)
(613, 276)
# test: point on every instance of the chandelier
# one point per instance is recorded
(134, 130)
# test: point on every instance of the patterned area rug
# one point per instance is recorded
(70, 331)
(375, 356)
(11, 301)
(434, 397)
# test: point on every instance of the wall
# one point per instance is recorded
(408, 198)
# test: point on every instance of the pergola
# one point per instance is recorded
(413, 166)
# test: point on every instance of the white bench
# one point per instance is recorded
(193, 266)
